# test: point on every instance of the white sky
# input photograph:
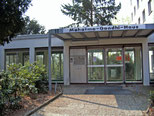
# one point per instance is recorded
(48, 13)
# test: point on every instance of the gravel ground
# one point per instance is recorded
(99, 100)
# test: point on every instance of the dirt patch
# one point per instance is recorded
(151, 110)
(28, 103)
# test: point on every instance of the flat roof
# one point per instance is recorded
(103, 32)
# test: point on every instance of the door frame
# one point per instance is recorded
(104, 47)
(103, 51)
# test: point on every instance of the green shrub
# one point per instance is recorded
(152, 96)
(4, 91)
(37, 77)
(32, 78)
(42, 82)
(21, 80)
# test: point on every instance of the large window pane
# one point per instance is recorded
(114, 64)
(95, 65)
(16, 56)
(95, 73)
(57, 66)
(40, 57)
(11, 58)
(95, 57)
(25, 57)
(56, 62)
(133, 64)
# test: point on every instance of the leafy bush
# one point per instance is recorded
(41, 83)
(21, 80)
(4, 91)
(152, 96)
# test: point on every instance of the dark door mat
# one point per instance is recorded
(108, 91)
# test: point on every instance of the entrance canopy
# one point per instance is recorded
(103, 32)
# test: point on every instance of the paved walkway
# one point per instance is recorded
(79, 100)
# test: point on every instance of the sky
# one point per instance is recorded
(48, 13)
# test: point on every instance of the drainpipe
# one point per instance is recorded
(49, 61)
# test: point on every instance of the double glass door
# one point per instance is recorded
(115, 65)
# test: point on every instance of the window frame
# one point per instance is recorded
(134, 10)
(139, 20)
(143, 16)
(138, 4)
(132, 16)
(149, 7)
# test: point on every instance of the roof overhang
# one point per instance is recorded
(103, 32)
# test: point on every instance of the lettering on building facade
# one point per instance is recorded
(104, 28)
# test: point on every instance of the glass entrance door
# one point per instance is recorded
(133, 64)
(95, 65)
(114, 65)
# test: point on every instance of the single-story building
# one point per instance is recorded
(103, 54)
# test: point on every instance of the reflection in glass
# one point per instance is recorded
(11, 58)
(57, 66)
(56, 63)
(95, 73)
(40, 57)
(95, 65)
(133, 64)
(16, 57)
(114, 64)
(25, 57)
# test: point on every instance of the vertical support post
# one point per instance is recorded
(32, 55)
(66, 64)
(145, 51)
(138, 63)
(123, 62)
(60, 65)
(2, 59)
(49, 61)
(104, 57)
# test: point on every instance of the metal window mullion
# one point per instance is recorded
(9, 59)
(123, 60)
(105, 76)
(90, 66)
(60, 64)
(49, 60)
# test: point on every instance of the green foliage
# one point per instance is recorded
(32, 27)
(123, 20)
(91, 12)
(11, 18)
(42, 81)
(21, 80)
(152, 96)
(4, 91)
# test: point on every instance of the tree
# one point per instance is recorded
(11, 18)
(32, 27)
(122, 20)
(91, 12)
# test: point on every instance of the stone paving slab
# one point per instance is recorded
(79, 104)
